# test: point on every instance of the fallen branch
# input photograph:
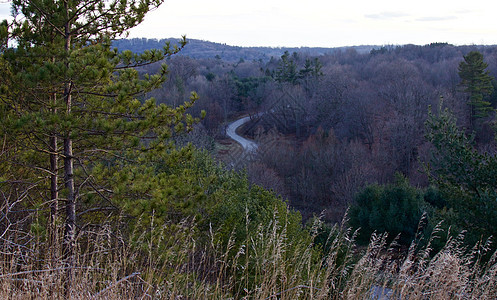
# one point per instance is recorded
(47, 270)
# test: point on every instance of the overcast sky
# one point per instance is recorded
(323, 23)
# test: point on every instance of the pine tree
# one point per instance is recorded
(466, 177)
(287, 69)
(477, 83)
(69, 101)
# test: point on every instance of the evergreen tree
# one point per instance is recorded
(310, 74)
(70, 102)
(287, 69)
(395, 208)
(477, 83)
(467, 179)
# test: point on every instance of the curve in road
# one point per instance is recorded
(248, 145)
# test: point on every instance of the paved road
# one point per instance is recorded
(248, 145)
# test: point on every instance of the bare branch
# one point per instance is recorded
(49, 270)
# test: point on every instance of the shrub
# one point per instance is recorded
(395, 208)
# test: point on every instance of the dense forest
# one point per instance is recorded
(375, 172)
(335, 123)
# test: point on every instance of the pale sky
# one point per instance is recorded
(321, 23)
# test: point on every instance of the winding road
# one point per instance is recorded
(248, 145)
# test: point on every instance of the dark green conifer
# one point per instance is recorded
(467, 178)
(477, 83)
(70, 102)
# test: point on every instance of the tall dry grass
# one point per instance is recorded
(169, 262)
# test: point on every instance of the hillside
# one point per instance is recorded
(199, 49)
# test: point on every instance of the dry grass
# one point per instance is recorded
(168, 262)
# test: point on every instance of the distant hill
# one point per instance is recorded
(204, 49)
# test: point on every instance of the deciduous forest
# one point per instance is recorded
(329, 126)
(375, 171)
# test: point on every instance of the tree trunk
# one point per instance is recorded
(70, 222)
(54, 193)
